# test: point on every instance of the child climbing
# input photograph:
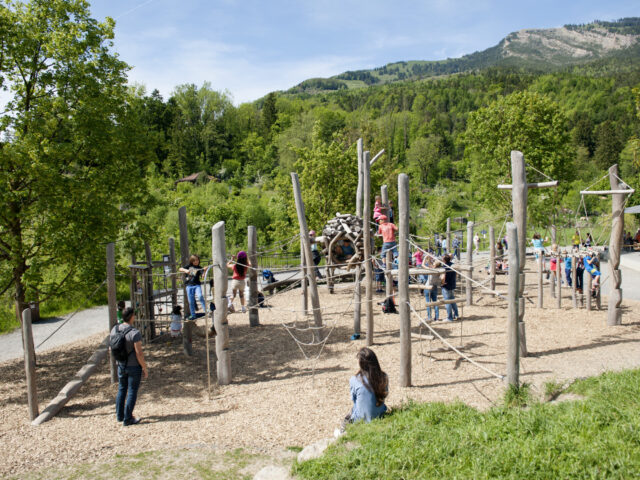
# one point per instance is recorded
(239, 267)
(388, 231)
(590, 265)
(193, 284)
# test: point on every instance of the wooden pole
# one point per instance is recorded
(187, 333)
(252, 243)
(468, 282)
(304, 234)
(403, 281)
(614, 311)
(220, 276)
(540, 272)
(574, 286)
(357, 301)
(304, 294)
(492, 258)
(112, 301)
(519, 202)
(559, 281)
(448, 235)
(174, 279)
(150, 295)
(366, 229)
(554, 277)
(513, 329)
(360, 180)
(29, 364)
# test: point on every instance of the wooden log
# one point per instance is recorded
(540, 272)
(468, 280)
(357, 301)
(377, 156)
(492, 258)
(368, 267)
(439, 303)
(519, 206)
(254, 315)
(112, 303)
(403, 280)
(614, 310)
(304, 234)
(513, 325)
(71, 388)
(448, 235)
(618, 191)
(553, 183)
(187, 331)
(29, 363)
(304, 295)
(220, 276)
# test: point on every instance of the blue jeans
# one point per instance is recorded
(191, 296)
(389, 246)
(452, 308)
(128, 384)
(567, 273)
(432, 296)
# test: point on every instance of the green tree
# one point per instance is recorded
(423, 158)
(524, 121)
(69, 137)
(608, 145)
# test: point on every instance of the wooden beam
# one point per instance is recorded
(378, 155)
(608, 192)
(553, 183)
(187, 331)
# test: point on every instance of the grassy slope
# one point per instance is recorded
(594, 438)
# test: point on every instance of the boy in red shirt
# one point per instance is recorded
(388, 231)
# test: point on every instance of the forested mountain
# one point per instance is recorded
(539, 50)
(568, 98)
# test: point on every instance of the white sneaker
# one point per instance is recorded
(244, 309)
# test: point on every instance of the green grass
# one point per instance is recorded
(598, 437)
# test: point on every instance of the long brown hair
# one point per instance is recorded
(376, 380)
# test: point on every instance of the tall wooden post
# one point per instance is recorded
(252, 243)
(540, 272)
(449, 249)
(360, 180)
(559, 280)
(304, 304)
(513, 328)
(519, 202)
(187, 333)
(150, 294)
(403, 281)
(366, 226)
(220, 276)
(614, 312)
(304, 234)
(112, 301)
(492, 258)
(29, 364)
(468, 282)
(173, 270)
(574, 286)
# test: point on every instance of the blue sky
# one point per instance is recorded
(251, 47)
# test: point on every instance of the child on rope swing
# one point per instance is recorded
(239, 266)
(369, 387)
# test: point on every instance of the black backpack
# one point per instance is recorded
(118, 344)
(388, 306)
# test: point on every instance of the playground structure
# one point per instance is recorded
(156, 287)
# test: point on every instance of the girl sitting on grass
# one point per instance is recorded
(369, 387)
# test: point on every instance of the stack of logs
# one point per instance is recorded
(342, 227)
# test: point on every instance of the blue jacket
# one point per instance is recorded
(364, 401)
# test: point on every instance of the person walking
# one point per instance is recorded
(448, 288)
(131, 370)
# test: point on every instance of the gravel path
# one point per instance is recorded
(280, 398)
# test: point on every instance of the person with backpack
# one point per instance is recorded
(126, 347)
